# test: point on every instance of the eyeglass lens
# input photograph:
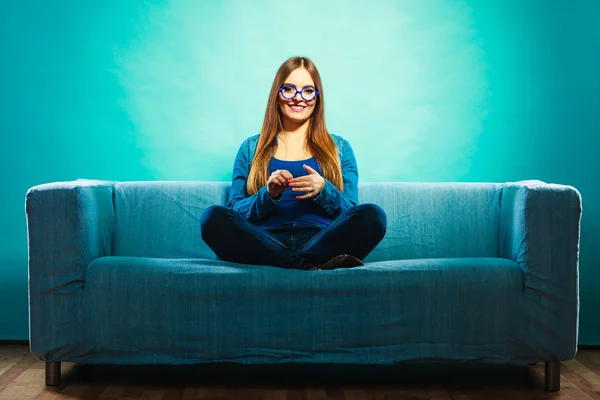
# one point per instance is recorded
(289, 92)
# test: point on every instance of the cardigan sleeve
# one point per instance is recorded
(254, 207)
(330, 198)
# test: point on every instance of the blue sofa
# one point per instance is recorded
(467, 272)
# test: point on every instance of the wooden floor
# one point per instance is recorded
(22, 377)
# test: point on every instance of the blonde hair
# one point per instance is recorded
(318, 141)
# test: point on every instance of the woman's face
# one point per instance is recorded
(297, 109)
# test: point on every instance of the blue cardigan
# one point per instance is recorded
(259, 204)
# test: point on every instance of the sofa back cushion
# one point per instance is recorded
(425, 220)
(161, 218)
(436, 220)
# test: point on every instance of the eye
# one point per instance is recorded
(289, 89)
(309, 90)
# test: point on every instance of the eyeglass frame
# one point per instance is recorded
(297, 91)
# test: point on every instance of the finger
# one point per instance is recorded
(301, 181)
(278, 173)
(303, 189)
(309, 169)
(306, 196)
(286, 174)
(277, 180)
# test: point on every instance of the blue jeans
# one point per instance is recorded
(232, 238)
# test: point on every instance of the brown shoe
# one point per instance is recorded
(342, 261)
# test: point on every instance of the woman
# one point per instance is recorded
(294, 195)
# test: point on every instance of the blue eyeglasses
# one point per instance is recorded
(290, 91)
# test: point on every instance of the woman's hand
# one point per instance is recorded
(312, 183)
(278, 182)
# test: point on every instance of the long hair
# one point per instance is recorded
(318, 141)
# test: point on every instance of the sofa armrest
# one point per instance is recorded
(539, 229)
(69, 224)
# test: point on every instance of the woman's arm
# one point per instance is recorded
(330, 198)
(254, 207)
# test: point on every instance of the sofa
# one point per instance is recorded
(467, 272)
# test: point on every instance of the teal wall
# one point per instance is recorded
(436, 90)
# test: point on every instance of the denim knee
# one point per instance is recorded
(374, 216)
(212, 217)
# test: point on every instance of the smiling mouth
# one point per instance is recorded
(297, 108)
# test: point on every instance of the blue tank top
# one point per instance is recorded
(288, 208)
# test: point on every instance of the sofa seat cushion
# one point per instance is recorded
(180, 311)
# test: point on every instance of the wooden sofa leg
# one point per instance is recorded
(552, 375)
(52, 373)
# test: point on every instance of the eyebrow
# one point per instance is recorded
(287, 83)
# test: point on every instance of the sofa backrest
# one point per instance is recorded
(161, 218)
(425, 220)
(436, 220)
